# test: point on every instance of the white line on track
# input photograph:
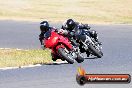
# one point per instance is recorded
(31, 66)
(28, 66)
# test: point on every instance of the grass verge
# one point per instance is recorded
(15, 57)
(89, 11)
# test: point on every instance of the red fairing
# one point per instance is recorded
(56, 41)
(52, 40)
(64, 41)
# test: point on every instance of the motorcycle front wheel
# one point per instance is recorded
(97, 53)
(64, 55)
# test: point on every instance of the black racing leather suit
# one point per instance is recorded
(71, 34)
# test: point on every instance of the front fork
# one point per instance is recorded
(89, 41)
(71, 53)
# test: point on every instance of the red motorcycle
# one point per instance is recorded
(61, 47)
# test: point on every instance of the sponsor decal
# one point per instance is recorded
(82, 78)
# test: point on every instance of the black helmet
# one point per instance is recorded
(44, 26)
(70, 24)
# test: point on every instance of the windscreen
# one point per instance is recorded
(47, 34)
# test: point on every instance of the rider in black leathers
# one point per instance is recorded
(70, 26)
(44, 27)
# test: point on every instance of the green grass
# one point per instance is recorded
(90, 11)
(14, 57)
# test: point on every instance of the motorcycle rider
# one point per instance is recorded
(69, 27)
(44, 27)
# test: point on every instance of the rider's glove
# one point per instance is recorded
(60, 31)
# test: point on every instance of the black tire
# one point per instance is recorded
(64, 56)
(54, 57)
(79, 59)
(95, 51)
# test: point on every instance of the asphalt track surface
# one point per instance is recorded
(117, 48)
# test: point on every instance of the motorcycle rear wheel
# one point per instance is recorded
(79, 59)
